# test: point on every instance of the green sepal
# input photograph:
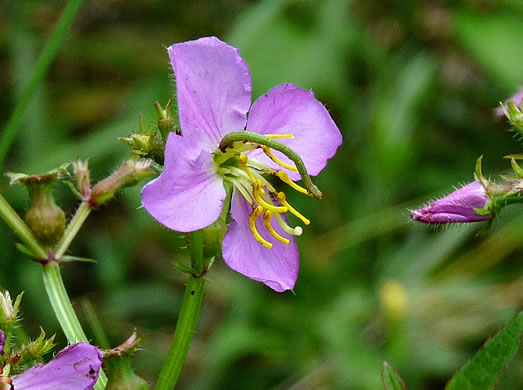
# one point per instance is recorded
(516, 168)
(70, 259)
(186, 269)
(35, 350)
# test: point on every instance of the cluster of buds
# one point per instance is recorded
(149, 143)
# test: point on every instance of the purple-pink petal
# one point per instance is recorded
(74, 368)
(213, 86)
(289, 109)
(189, 194)
(459, 206)
(276, 267)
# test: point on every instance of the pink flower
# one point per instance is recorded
(214, 99)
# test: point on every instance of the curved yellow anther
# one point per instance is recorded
(243, 162)
(285, 178)
(267, 222)
(256, 212)
(271, 155)
(283, 200)
(258, 191)
(272, 136)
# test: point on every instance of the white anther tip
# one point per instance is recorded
(298, 231)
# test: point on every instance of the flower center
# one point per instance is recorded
(246, 174)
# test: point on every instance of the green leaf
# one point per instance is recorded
(391, 379)
(487, 366)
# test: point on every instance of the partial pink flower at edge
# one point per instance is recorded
(76, 367)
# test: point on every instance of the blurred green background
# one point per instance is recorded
(412, 86)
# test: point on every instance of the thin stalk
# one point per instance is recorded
(187, 319)
(64, 311)
(13, 220)
(44, 61)
(72, 229)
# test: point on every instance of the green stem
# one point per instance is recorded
(187, 319)
(72, 229)
(13, 220)
(64, 311)
(44, 61)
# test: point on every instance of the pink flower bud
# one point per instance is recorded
(458, 207)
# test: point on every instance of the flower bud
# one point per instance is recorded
(44, 217)
(8, 310)
(129, 173)
(145, 143)
(166, 123)
(82, 175)
(460, 206)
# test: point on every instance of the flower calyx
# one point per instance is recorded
(44, 217)
(118, 362)
(513, 111)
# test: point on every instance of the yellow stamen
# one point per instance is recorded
(297, 231)
(285, 178)
(271, 155)
(267, 222)
(252, 224)
(243, 161)
(283, 201)
(272, 136)
(258, 191)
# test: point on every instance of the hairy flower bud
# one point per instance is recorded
(82, 175)
(44, 217)
(129, 173)
(459, 206)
